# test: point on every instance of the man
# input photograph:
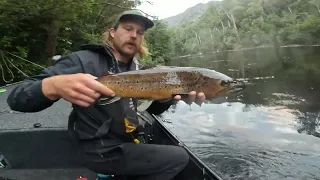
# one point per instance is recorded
(103, 129)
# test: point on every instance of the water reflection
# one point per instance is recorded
(268, 131)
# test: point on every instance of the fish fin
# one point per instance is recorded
(144, 105)
(165, 67)
(157, 67)
(104, 100)
(172, 66)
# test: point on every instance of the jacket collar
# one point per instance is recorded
(107, 50)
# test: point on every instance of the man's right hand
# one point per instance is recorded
(80, 89)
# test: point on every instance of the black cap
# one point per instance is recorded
(136, 15)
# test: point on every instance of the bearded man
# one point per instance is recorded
(100, 130)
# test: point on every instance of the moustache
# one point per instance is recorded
(131, 43)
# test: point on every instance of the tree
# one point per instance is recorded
(159, 43)
(36, 30)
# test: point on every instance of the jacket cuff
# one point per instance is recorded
(158, 107)
(35, 93)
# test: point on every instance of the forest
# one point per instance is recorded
(32, 31)
(237, 24)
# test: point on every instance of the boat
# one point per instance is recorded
(38, 145)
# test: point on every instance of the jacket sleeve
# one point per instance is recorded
(158, 107)
(28, 96)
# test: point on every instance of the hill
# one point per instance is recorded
(191, 14)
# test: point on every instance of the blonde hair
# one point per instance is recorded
(142, 53)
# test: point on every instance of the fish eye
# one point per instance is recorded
(223, 83)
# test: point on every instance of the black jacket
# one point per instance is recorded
(94, 122)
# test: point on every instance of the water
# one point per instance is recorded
(270, 130)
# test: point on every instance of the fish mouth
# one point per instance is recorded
(231, 87)
(237, 86)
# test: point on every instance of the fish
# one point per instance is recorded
(165, 82)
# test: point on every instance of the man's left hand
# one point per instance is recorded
(192, 97)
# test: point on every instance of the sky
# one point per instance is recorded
(167, 8)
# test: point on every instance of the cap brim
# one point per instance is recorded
(148, 22)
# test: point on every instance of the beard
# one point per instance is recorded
(127, 49)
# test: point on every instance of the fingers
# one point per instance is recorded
(200, 98)
(77, 96)
(177, 97)
(76, 101)
(91, 76)
(193, 97)
(87, 91)
(98, 87)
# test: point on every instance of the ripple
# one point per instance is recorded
(268, 131)
(248, 148)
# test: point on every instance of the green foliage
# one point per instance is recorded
(311, 27)
(36, 30)
(158, 42)
(234, 24)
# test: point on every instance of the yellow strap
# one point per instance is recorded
(129, 127)
(136, 141)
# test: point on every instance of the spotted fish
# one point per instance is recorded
(165, 82)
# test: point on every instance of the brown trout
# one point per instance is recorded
(166, 82)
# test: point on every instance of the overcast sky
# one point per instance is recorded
(167, 8)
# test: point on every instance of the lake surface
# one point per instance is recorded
(268, 131)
